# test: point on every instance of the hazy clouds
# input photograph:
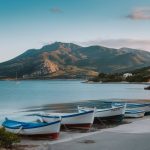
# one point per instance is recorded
(119, 43)
(56, 10)
(142, 13)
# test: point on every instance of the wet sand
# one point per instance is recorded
(128, 136)
(107, 141)
(131, 134)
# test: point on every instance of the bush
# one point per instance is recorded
(7, 139)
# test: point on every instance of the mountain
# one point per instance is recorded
(68, 60)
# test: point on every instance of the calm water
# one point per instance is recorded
(16, 95)
(42, 94)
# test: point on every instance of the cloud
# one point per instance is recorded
(140, 14)
(119, 43)
(56, 10)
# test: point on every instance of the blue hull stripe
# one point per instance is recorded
(72, 115)
(25, 125)
(133, 112)
(45, 116)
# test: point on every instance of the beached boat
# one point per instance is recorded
(115, 113)
(137, 106)
(50, 129)
(79, 120)
(134, 113)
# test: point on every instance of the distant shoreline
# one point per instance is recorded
(92, 82)
(22, 79)
(69, 79)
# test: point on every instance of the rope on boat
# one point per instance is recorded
(67, 129)
(102, 122)
(19, 130)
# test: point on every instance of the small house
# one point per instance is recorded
(127, 75)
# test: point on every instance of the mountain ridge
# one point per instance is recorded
(68, 60)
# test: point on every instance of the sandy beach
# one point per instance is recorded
(134, 135)
(131, 134)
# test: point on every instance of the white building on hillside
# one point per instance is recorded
(127, 75)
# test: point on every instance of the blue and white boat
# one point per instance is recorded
(139, 106)
(50, 129)
(134, 113)
(78, 120)
(115, 113)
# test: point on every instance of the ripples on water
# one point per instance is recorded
(62, 95)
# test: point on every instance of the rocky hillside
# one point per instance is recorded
(68, 60)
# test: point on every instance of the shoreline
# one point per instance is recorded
(123, 82)
(73, 140)
(71, 79)
(129, 127)
(77, 140)
(41, 79)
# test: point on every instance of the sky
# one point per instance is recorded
(26, 24)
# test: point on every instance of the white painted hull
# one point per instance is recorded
(109, 112)
(116, 111)
(143, 107)
(138, 114)
(75, 120)
(49, 129)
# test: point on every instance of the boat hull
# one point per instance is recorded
(135, 115)
(77, 126)
(115, 114)
(50, 130)
(83, 120)
(142, 107)
(53, 136)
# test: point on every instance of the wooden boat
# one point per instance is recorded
(50, 129)
(137, 106)
(115, 113)
(79, 120)
(134, 113)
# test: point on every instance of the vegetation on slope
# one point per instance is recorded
(57, 59)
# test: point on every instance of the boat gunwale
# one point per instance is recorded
(103, 110)
(44, 124)
(69, 115)
(119, 107)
